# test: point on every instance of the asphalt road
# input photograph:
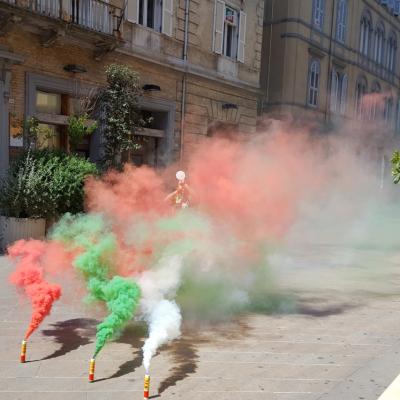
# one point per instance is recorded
(329, 348)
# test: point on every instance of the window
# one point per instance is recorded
(229, 31)
(338, 92)
(343, 95)
(361, 90)
(379, 43)
(376, 108)
(313, 83)
(365, 34)
(341, 21)
(398, 115)
(49, 134)
(391, 53)
(388, 111)
(318, 13)
(154, 14)
(150, 14)
(334, 90)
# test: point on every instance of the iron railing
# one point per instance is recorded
(95, 15)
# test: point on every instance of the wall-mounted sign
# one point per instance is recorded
(16, 131)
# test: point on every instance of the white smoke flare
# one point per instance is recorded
(162, 314)
(164, 326)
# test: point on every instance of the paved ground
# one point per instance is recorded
(346, 349)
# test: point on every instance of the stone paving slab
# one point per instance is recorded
(331, 350)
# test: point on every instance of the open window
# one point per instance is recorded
(154, 14)
(229, 31)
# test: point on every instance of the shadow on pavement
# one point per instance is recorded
(318, 307)
(185, 357)
(185, 354)
(132, 335)
(71, 334)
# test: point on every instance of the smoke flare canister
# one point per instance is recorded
(146, 390)
(91, 369)
(23, 351)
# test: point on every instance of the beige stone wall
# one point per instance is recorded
(291, 42)
(201, 57)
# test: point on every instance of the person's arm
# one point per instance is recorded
(171, 195)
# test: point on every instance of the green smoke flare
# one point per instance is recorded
(97, 245)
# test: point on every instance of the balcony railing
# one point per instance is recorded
(96, 15)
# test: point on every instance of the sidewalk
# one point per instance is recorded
(332, 351)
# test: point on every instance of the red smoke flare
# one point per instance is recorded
(29, 275)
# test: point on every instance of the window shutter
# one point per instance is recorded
(132, 11)
(242, 36)
(219, 22)
(167, 17)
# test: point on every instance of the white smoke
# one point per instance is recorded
(164, 325)
(159, 287)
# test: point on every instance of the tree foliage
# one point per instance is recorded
(120, 117)
(396, 167)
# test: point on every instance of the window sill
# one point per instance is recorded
(146, 28)
(144, 37)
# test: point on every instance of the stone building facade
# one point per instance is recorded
(199, 62)
(332, 61)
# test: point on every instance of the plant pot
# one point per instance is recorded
(12, 229)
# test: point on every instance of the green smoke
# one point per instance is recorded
(97, 245)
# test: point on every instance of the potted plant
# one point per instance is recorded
(40, 186)
(79, 126)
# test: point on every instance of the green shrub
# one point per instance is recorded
(396, 167)
(44, 184)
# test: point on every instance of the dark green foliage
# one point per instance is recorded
(396, 167)
(44, 184)
(119, 117)
(78, 128)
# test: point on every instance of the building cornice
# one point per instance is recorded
(180, 66)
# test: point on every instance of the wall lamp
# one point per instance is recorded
(151, 88)
(74, 68)
(229, 106)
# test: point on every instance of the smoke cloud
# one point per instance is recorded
(275, 217)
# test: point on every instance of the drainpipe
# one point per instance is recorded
(270, 48)
(184, 78)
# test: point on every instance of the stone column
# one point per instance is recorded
(7, 59)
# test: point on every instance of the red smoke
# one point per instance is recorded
(125, 197)
(255, 188)
(29, 275)
(136, 191)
